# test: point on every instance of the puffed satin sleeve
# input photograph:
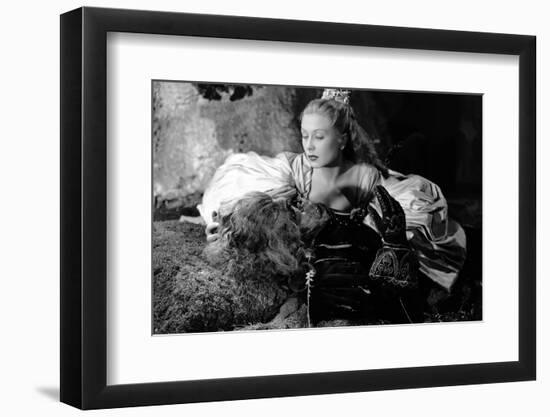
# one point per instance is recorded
(242, 173)
(439, 241)
(368, 177)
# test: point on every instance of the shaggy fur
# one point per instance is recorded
(260, 239)
(245, 276)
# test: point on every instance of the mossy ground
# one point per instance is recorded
(175, 245)
(191, 295)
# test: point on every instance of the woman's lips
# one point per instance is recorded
(312, 157)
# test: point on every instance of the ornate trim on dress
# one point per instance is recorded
(396, 266)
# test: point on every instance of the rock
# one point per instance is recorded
(193, 135)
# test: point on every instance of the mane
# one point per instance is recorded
(263, 238)
(259, 239)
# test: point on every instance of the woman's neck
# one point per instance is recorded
(332, 172)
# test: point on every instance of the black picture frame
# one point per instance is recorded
(84, 207)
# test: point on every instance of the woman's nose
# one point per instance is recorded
(309, 144)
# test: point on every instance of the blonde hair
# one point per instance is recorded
(358, 147)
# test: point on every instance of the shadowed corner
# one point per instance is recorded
(49, 392)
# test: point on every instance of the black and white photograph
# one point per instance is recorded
(288, 207)
(292, 208)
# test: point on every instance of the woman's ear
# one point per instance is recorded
(343, 141)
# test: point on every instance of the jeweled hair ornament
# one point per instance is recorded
(336, 94)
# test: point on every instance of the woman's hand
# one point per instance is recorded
(211, 231)
(392, 225)
(395, 264)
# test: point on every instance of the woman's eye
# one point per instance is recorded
(305, 137)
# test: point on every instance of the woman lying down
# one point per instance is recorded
(345, 235)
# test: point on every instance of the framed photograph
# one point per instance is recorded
(257, 208)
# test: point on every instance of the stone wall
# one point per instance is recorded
(193, 135)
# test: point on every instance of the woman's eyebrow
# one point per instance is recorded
(314, 130)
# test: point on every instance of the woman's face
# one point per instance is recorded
(321, 141)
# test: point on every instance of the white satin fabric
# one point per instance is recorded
(240, 174)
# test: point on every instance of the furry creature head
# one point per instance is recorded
(312, 218)
(260, 238)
